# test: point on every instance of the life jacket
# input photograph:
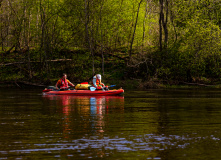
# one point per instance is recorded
(64, 84)
(98, 82)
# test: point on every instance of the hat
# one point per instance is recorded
(98, 76)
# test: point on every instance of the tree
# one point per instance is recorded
(163, 19)
(135, 25)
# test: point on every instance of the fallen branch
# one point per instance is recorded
(55, 60)
(30, 84)
(17, 84)
(197, 84)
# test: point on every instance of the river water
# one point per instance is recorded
(178, 124)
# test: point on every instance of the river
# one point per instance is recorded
(172, 124)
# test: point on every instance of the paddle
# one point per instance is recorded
(53, 88)
(94, 88)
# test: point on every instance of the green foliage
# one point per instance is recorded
(38, 34)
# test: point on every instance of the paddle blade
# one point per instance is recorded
(92, 88)
(112, 86)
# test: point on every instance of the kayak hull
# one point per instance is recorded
(85, 92)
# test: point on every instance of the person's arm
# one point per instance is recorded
(71, 84)
(102, 84)
(57, 84)
(94, 82)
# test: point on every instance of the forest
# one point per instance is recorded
(140, 42)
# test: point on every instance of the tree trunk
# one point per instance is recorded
(144, 26)
(44, 40)
(163, 24)
(160, 25)
(87, 37)
(132, 40)
(26, 40)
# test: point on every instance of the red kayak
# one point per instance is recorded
(84, 92)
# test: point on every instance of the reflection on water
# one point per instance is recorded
(85, 115)
(91, 110)
(179, 124)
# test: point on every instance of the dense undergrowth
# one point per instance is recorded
(141, 72)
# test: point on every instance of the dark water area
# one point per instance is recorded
(169, 124)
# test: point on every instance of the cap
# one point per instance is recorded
(98, 76)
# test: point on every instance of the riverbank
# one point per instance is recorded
(135, 84)
(115, 67)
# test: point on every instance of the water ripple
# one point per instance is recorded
(147, 142)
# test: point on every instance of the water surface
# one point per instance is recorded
(154, 124)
